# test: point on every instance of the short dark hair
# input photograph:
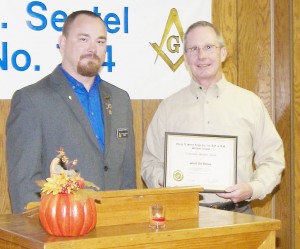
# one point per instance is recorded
(204, 24)
(70, 19)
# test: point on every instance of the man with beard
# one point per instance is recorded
(74, 109)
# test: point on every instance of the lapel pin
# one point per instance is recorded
(108, 105)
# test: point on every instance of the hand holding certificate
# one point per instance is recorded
(205, 160)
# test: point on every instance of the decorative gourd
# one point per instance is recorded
(67, 207)
(62, 215)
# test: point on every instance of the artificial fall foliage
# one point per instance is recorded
(65, 180)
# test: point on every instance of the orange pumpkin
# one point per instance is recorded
(63, 215)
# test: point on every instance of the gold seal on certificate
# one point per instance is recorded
(208, 161)
(178, 175)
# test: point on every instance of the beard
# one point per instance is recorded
(91, 68)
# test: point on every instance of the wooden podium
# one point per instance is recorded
(123, 223)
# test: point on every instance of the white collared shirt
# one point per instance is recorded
(222, 109)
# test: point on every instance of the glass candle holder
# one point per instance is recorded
(157, 218)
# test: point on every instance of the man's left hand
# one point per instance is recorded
(238, 192)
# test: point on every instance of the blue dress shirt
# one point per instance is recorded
(91, 104)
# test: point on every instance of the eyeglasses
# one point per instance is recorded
(210, 49)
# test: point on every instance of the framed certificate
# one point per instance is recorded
(207, 161)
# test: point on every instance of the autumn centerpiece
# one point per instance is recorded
(67, 205)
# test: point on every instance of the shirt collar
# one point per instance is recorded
(217, 88)
(78, 86)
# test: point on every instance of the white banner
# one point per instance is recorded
(145, 47)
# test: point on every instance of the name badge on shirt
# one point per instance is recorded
(122, 132)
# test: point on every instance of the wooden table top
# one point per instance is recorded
(27, 231)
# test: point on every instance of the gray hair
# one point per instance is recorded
(220, 38)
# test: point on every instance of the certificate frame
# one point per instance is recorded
(205, 160)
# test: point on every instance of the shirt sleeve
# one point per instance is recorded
(152, 168)
(269, 161)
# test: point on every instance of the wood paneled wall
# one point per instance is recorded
(4, 198)
(258, 40)
(295, 190)
(281, 93)
(257, 34)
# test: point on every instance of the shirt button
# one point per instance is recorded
(105, 168)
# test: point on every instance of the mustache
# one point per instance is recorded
(90, 56)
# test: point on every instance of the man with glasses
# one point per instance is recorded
(212, 105)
